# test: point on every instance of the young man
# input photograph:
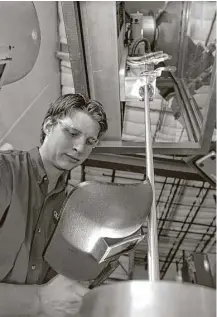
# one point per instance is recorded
(32, 191)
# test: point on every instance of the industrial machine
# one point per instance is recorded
(129, 64)
(184, 99)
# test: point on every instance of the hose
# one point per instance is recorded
(137, 42)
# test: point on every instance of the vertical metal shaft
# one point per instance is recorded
(153, 260)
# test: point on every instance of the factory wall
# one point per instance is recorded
(24, 103)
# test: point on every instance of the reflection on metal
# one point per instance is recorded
(149, 28)
(99, 221)
(152, 299)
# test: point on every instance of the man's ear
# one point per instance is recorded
(97, 143)
(48, 126)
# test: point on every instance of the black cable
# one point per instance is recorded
(137, 42)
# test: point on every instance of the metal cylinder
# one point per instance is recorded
(152, 299)
(153, 260)
(149, 28)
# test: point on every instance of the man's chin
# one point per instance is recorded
(68, 166)
(71, 166)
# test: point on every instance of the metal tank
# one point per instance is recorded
(152, 299)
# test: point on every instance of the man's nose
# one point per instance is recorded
(79, 146)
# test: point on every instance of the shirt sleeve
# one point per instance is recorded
(5, 189)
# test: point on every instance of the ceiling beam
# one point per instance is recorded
(162, 166)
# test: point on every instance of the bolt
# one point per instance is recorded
(141, 91)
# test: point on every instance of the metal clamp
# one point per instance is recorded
(152, 75)
(157, 72)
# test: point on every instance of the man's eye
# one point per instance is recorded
(72, 133)
(91, 142)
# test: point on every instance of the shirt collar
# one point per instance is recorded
(39, 169)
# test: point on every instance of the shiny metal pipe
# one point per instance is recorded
(153, 260)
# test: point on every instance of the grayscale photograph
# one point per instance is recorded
(108, 158)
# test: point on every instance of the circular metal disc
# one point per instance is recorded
(19, 30)
(149, 28)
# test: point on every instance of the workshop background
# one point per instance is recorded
(186, 202)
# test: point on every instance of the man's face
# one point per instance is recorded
(71, 140)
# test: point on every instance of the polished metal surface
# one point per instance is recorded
(148, 28)
(97, 220)
(153, 259)
(19, 31)
(151, 299)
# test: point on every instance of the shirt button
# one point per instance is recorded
(39, 230)
(56, 215)
(33, 267)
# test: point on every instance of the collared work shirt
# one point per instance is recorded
(28, 216)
